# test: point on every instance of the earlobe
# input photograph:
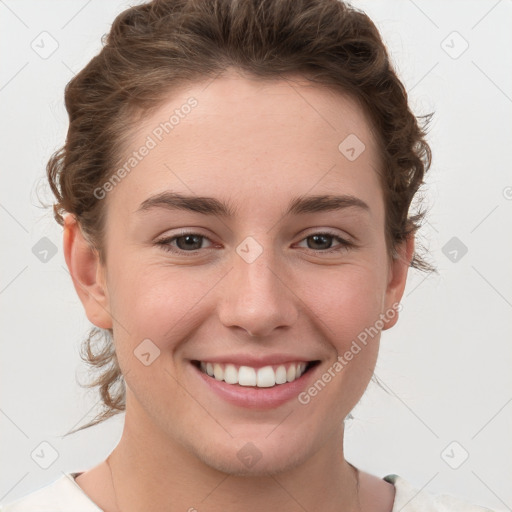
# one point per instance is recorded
(87, 273)
(398, 271)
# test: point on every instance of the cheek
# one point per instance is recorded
(348, 306)
(158, 302)
(155, 310)
(345, 306)
(347, 300)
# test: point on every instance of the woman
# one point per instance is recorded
(235, 191)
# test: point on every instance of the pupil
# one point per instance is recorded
(190, 240)
(320, 237)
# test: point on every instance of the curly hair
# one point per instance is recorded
(157, 46)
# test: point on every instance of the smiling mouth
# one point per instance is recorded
(263, 377)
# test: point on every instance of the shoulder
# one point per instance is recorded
(409, 498)
(62, 495)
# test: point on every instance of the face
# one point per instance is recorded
(266, 273)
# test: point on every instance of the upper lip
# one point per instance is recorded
(256, 361)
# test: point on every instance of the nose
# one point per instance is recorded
(257, 296)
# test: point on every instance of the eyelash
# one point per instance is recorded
(165, 243)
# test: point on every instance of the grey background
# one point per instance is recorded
(446, 364)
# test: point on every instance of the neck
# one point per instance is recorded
(151, 471)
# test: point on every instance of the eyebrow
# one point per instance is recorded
(211, 206)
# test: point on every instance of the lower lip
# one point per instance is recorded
(253, 397)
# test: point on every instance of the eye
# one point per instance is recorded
(185, 242)
(192, 242)
(322, 242)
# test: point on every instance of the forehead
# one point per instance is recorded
(252, 138)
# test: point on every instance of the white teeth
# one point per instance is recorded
(247, 376)
(218, 372)
(231, 374)
(281, 375)
(290, 374)
(265, 377)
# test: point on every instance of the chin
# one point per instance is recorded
(254, 456)
(262, 465)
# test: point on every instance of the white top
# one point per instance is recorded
(65, 495)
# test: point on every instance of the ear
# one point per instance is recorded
(87, 273)
(398, 269)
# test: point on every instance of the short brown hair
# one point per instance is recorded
(154, 47)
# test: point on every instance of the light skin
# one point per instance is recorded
(255, 145)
